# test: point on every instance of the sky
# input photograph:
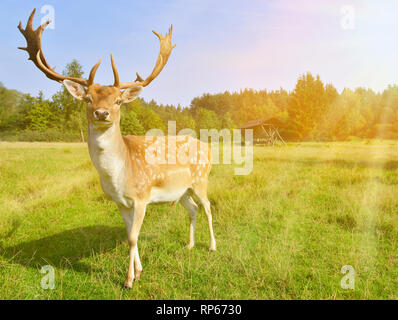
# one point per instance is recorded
(221, 44)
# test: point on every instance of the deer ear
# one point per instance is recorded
(75, 89)
(130, 94)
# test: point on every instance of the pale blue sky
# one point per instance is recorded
(221, 44)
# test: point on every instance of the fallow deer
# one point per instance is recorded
(126, 165)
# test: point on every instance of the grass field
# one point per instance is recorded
(283, 232)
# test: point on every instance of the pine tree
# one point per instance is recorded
(307, 105)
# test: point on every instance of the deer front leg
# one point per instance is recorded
(133, 219)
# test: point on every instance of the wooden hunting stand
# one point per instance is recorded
(265, 131)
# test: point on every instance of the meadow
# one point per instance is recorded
(283, 232)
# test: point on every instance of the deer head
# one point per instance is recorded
(103, 102)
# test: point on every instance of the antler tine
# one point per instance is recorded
(165, 50)
(158, 35)
(33, 40)
(138, 79)
(93, 72)
(115, 72)
(29, 24)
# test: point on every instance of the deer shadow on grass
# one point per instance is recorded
(64, 250)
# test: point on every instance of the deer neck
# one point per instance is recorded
(108, 153)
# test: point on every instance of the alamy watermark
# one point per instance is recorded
(49, 15)
(48, 281)
(348, 281)
(347, 21)
(165, 151)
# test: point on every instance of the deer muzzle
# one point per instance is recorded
(101, 115)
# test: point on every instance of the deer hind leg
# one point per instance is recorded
(200, 191)
(192, 208)
(133, 220)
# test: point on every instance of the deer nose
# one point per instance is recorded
(101, 115)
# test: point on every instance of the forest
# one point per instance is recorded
(313, 111)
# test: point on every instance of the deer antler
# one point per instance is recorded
(164, 54)
(33, 40)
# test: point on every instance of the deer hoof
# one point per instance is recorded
(128, 285)
(137, 276)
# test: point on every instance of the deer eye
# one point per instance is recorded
(88, 99)
(119, 101)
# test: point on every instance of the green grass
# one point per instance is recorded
(283, 232)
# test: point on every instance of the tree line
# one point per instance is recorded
(313, 111)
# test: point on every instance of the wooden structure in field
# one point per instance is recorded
(265, 131)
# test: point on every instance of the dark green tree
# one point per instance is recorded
(129, 123)
(40, 116)
(147, 117)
